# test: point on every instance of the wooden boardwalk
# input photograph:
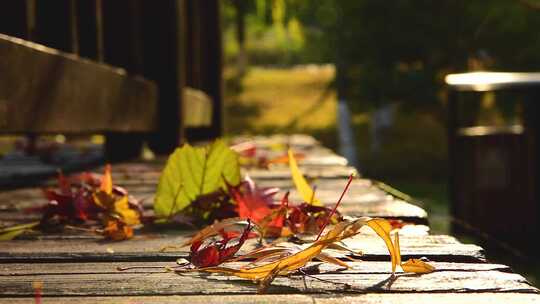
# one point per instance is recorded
(82, 268)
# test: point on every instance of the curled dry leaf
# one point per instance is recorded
(219, 251)
(266, 273)
(214, 229)
(383, 228)
(287, 260)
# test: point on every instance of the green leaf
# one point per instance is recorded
(192, 171)
(12, 232)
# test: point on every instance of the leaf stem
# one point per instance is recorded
(335, 207)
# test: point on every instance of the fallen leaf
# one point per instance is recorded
(300, 182)
(267, 272)
(194, 171)
(383, 228)
(12, 232)
(106, 180)
(117, 230)
(219, 251)
(417, 266)
(252, 202)
(213, 229)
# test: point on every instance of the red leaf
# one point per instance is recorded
(218, 251)
(253, 203)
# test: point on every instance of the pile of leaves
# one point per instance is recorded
(85, 201)
(204, 183)
(274, 260)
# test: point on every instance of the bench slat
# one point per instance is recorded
(44, 90)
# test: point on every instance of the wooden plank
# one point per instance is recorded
(362, 199)
(364, 267)
(145, 248)
(311, 172)
(369, 298)
(62, 93)
(120, 284)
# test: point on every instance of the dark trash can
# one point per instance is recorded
(494, 161)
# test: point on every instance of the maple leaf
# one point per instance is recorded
(194, 171)
(219, 251)
(252, 202)
(308, 195)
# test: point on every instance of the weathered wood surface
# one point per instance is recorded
(373, 298)
(61, 93)
(363, 267)
(81, 267)
(368, 298)
(125, 283)
(146, 248)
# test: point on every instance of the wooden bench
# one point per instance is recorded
(82, 267)
(118, 68)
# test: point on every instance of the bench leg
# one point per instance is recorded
(123, 146)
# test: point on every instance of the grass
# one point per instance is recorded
(282, 100)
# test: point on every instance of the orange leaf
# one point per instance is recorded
(117, 230)
(213, 229)
(417, 266)
(106, 181)
(382, 227)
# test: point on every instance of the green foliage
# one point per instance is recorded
(396, 51)
(194, 171)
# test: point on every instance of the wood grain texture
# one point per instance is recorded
(361, 267)
(146, 248)
(61, 93)
(369, 298)
(119, 284)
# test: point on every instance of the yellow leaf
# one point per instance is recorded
(106, 181)
(382, 227)
(9, 233)
(397, 249)
(129, 216)
(332, 260)
(417, 266)
(293, 262)
(300, 182)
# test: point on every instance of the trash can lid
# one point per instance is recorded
(489, 81)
